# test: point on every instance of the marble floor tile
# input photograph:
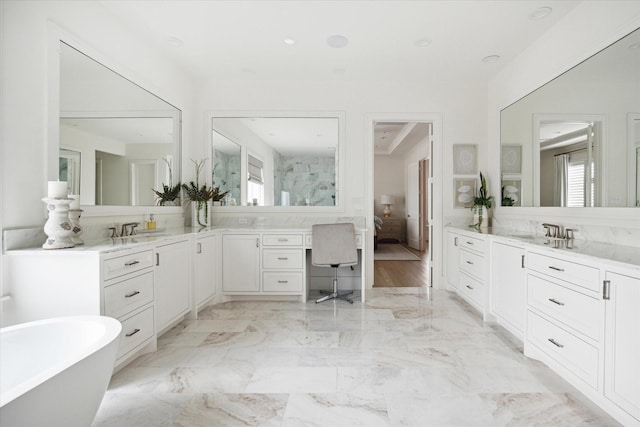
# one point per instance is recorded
(406, 357)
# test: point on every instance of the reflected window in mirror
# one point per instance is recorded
(227, 168)
(69, 169)
(290, 161)
(603, 90)
(128, 138)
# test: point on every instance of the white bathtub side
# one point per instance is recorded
(72, 396)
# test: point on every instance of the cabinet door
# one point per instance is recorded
(172, 283)
(206, 271)
(453, 259)
(508, 286)
(241, 263)
(622, 343)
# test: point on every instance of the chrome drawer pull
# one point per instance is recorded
(470, 287)
(199, 248)
(283, 281)
(283, 240)
(132, 294)
(606, 289)
(469, 262)
(555, 301)
(556, 268)
(522, 263)
(283, 258)
(556, 343)
(470, 243)
(132, 333)
(130, 263)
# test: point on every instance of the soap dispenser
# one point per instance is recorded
(151, 224)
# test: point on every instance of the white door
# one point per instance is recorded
(413, 206)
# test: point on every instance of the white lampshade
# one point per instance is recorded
(386, 199)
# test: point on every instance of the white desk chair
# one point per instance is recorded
(334, 245)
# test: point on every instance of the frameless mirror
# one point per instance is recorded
(573, 141)
(284, 161)
(128, 139)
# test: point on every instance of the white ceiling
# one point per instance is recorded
(245, 39)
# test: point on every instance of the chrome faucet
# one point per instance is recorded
(552, 230)
(126, 232)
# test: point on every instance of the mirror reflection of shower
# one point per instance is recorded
(569, 162)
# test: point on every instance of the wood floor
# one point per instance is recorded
(401, 273)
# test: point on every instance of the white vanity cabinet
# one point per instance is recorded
(472, 270)
(240, 263)
(172, 282)
(453, 259)
(622, 344)
(263, 264)
(565, 316)
(206, 266)
(508, 286)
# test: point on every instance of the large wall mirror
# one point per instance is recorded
(118, 142)
(281, 161)
(574, 141)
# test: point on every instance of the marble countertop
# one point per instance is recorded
(625, 256)
(144, 237)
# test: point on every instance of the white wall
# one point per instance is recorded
(561, 48)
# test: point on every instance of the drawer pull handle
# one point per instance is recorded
(470, 287)
(132, 294)
(455, 241)
(283, 281)
(157, 259)
(606, 289)
(132, 333)
(555, 301)
(522, 262)
(556, 343)
(283, 240)
(556, 268)
(470, 243)
(469, 262)
(283, 258)
(130, 263)
(199, 248)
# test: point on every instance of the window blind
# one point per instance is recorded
(255, 169)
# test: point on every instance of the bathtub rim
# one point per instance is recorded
(112, 330)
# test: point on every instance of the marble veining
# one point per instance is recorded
(406, 357)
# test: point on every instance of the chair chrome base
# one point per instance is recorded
(336, 294)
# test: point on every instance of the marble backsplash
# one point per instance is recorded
(611, 233)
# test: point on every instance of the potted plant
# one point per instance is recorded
(482, 202)
(200, 196)
(170, 193)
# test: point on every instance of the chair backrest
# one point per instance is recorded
(333, 244)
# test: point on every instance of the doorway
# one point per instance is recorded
(402, 203)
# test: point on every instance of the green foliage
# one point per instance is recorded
(506, 200)
(482, 198)
(168, 194)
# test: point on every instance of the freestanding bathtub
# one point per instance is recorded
(55, 372)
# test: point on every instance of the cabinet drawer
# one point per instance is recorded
(472, 264)
(123, 297)
(472, 288)
(282, 239)
(581, 312)
(136, 330)
(115, 267)
(574, 354)
(282, 258)
(578, 274)
(471, 243)
(282, 282)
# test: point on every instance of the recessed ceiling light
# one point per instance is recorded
(423, 42)
(490, 59)
(540, 13)
(248, 71)
(174, 41)
(634, 46)
(289, 41)
(337, 41)
(339, 70)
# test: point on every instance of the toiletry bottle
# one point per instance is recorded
(151, 225)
